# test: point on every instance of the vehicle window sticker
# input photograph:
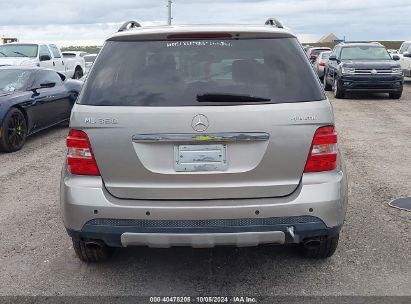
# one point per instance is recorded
(199, 43)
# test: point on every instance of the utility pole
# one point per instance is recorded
(169, 12)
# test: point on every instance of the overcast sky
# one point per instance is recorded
(89, 22)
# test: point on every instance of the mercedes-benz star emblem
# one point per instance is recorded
(200, 123)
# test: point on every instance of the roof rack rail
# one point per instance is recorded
(274, 22)
(129, 25)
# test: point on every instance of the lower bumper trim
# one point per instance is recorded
(202, 240)
(203, 233)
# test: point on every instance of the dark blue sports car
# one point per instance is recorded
(32, 99)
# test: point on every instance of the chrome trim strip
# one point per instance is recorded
(196, 137)
(361, 73)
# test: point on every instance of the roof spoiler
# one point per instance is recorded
(274, 22)
(129, 25)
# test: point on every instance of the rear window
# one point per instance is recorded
(325, 56)
(176, 73)
(316, 52)
(69, 55)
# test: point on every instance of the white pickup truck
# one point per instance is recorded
(32, 54)
(75, 64)
(405, 58)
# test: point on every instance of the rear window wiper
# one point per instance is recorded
(227, 97)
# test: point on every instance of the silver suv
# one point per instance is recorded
(202, 136)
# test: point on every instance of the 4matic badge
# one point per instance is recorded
(100, 121)
(304, 118)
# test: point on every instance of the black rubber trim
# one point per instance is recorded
(110, 230)
(224, 223)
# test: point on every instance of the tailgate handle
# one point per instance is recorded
(196, 137)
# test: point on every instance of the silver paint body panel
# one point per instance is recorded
(144, 169)
(326, 193)
(202, 240)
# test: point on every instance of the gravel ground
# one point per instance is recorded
(373, 258)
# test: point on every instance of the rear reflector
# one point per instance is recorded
(199, 36)
(323, 153)
(80, 158)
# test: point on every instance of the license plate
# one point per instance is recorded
(197, 158)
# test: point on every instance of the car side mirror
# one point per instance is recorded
(332, 58)
(45, 58)
(407, 54)
(47, 84)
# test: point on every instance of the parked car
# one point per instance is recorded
(320, 63)
(75, 64)
(405, 58)
(313, 52)
(363, 67)
(89, 59)
(32, 54)
(32, 99)
(306, 47)
(169, 148)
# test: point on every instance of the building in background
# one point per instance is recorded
(329, 38)
(4, 40)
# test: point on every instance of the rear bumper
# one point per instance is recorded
(204, 233)
(316, 208)
(320, 72)
(372, 83)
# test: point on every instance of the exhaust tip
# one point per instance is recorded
(94, 245)
(312, 244)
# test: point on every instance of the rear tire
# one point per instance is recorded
(92, 254)
(396, 95)
(338, 92)
(14, 131)
(78, 73)
(327, 87)
(325, 249)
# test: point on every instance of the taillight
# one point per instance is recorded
(323, 153)
(322, 63)
(80, 158)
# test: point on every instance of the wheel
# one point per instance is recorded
(327, 87)
(338, 92)
(321, 248)
(396, 95)
(92, 251)
(14, 131)
(78, 73)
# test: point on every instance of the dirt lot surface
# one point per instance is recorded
(373, 258)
